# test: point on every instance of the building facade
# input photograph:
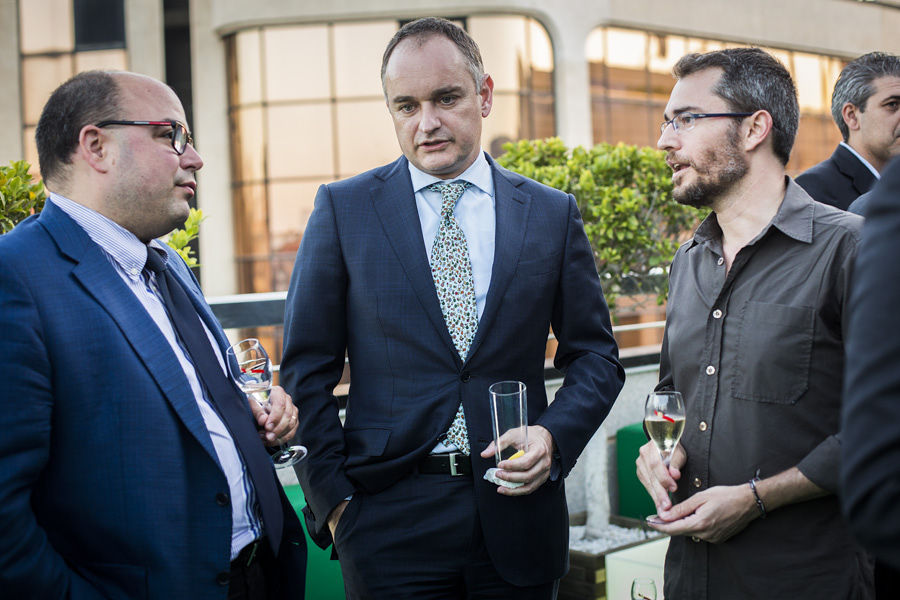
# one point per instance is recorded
(284, 95)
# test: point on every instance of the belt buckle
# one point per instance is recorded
(452, 458)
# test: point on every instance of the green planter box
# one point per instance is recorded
(634, 501)
(323, 575)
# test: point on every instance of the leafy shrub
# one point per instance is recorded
(19, 196)
(624, 194)
(180, 238)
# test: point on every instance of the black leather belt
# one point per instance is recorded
(453, 464)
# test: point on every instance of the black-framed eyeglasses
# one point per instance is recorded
(181, 137)
(685, 121)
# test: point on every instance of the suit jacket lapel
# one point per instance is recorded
(395, 204)
(511, 208)
(852, 167)
(99, 279)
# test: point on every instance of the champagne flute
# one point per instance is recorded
(643, 588)
(664, 420)
(250, 368)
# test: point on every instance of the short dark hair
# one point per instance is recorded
(86, 98)
(752, 80)
(425, 28)
(854, 85)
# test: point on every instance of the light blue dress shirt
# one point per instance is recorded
(476, 216)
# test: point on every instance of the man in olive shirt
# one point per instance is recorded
(754, 342)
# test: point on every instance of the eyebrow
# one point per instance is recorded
(682, 109)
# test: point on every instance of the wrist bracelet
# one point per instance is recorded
(759, 502)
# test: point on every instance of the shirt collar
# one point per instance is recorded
(861, 159)
(794, 219)
(120, 244)
(478, 174)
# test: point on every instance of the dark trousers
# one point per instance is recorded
(421, 538)
(252, 573)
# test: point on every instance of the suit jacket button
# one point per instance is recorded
(223, 578)
(465, 376)
(222, 499)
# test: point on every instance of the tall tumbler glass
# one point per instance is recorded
(509, 419)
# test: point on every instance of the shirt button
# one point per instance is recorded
(710, 370)
(703, 426)
(694, 538)
(697, 482)
(134, 271)
(717, 314)
(720, 262)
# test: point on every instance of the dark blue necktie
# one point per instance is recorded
(230, 403)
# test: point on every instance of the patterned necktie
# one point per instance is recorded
(229, 402)
(452, 272)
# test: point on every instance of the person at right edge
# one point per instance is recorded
(754, 342)
(870, 469)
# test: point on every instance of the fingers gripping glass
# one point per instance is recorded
(250, 367)
(181, 137)
(686, 120)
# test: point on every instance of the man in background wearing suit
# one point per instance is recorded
(440, 274)
(865, 105)
(130, 465)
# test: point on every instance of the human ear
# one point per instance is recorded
(487, 95)
(760, 126)
(94, 147)
(850, 114)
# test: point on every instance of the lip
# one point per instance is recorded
(433, 145)
(189, 185)
(677, 169)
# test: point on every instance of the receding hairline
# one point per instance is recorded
(420, 39)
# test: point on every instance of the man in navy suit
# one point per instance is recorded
(127, 469)
(400, 488)
(865, 106)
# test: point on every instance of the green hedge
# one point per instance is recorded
(19, 196)
(625, 197)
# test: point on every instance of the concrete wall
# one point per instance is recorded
(10, 99)
(592, 483)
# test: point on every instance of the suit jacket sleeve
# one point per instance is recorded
(871, 409)
(315, 342)
(29, 565)
(587, 351)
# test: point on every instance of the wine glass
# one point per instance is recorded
(250, 367)
(643, 588)
(664, 420)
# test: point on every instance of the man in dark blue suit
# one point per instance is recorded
(865, 106)
(440, 274)
(130, 465)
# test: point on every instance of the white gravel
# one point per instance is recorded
(611, 537)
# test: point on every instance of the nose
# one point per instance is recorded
(668, 138)
(429, 120)
(190, 159)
